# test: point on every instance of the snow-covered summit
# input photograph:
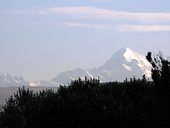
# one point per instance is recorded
(140, 59)
(125, 63)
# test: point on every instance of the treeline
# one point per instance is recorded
(88, 103)
(82, 104)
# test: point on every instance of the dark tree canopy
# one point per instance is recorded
(83, 104)
(160, 68)
(161, 78)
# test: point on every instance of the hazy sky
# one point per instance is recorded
(40, 38)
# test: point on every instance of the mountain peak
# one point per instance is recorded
(128, 49)
(117, 58)
(130, 55)
(140, 60)
(125, 63)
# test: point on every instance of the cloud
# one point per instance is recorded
(137, 21)
(123, 27)
(100, 14)
(143, 28)
(89, 26)
(107, 14)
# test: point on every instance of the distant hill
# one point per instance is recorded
(6, 80)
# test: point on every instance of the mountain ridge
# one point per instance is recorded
(6, 80)
(125, 63)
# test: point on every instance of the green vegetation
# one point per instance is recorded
(90, 104)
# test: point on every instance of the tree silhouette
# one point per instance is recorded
(160, 68)
(161, 78)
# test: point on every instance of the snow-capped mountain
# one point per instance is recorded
(125, 63)
(6, 80)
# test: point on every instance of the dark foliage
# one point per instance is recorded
(161, 78)
(86, 103)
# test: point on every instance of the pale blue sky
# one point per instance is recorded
(40, 38)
